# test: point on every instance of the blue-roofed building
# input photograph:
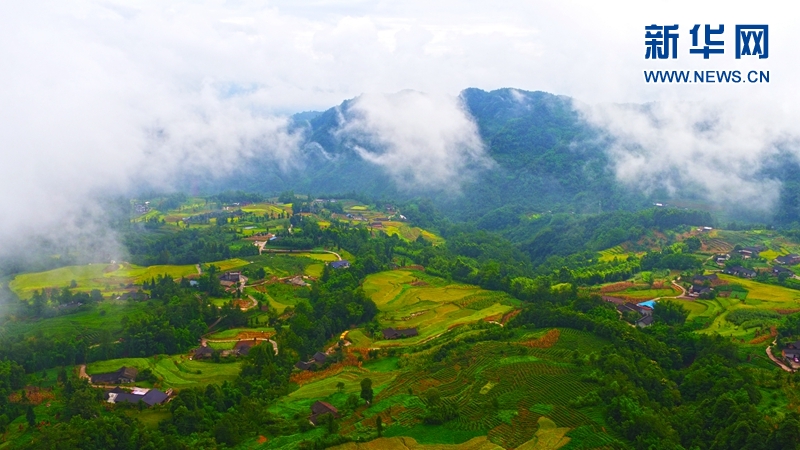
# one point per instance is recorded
(650, 304)
(343, 264)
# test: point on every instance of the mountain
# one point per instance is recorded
(547, 159)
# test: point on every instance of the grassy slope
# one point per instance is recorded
(105, 277)
(176, 371)
(531, 388)
(433, 307)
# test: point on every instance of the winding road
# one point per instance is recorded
(776, 360)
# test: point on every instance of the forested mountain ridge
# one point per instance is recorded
(547, 158)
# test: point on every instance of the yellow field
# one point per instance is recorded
(327, 257)
(408, 443)
(314, 270)
(432, 307)
(769, 255)
(619, 253)
(105, 277)
(781, 296)
(409, 233)
(267, 208)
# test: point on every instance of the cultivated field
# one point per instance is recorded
(408, 298)
(108, 278)
(173, 371)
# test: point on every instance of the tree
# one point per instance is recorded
(670, 312)
(693, 244)
(648, 278)
(366, 390)
(351, 402)
(330, 423)
(340, 386)
(30, 415)
(379, 425)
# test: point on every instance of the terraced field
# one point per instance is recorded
(408, 298)
(108, 278)
(267, 209)
(173, 371)
(759, 297)
(88, 324)
(410, 233)
(775, 297)
(505, 396)
(613, 253)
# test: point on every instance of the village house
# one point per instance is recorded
(203, 352)
(303, 365)
(792, 353)
(319, 409)
(645, 321)
(777, 270)
(242, 348)
(703, 279)
(750, 252)
(121, 376)
(318, 360)
(698, 290)
(788, 260)
(343, 264)
(740, 272)
(391, 333)
(722, 258)
(231, 277)
(645, 313)
(150, 397)
(297, 281)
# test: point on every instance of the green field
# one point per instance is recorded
(105, 316)
(613, 253)
(108, 278)
(410, 233)
(646, 294)
(431, 305)
(326, 257)
(173, 371)
(507, 395)
(777, 296)
(266, 209)
(231, 333)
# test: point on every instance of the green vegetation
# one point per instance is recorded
(111, 278)
(515, 348)
(173, 371)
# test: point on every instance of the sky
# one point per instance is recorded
(104, 97)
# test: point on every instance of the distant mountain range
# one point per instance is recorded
(547, 158)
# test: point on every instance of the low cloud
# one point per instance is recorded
(715, 149)
(423, 141)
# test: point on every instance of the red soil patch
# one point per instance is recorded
(247, 335)
(494, 318)
(36, 395)
(548, 340)
(765, 337)
(621, 286)
(307, 376)
(509, 316)
(262, 439)
(787, 311)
